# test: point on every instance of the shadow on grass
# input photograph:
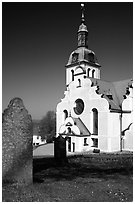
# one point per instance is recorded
(47, 168)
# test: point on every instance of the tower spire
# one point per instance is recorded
(83, 9)
(82, 32)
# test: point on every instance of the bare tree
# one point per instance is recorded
(47, 128)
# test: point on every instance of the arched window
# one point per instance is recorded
(74, 57)
(95, 121)
(69, 130)
(72, 74)
(93, 73)
(91, 57)
(88, 72)
(65, 114)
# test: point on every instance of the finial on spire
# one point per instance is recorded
(82, 8)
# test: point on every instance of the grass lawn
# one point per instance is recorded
(73, 182)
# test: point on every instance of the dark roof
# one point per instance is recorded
(113, 92)
(83, 55)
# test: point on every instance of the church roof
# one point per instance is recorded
(114, 92)
(83, 129)
(83, 54)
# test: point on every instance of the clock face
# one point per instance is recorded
(79, 106)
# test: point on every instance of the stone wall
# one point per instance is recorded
(17, 134)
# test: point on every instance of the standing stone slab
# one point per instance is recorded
(17, 134)
(60, 150)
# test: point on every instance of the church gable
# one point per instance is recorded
(113, 92)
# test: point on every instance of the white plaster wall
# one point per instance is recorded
(114, 131)
(103, 144)
(127, 119)
(60, 115)
(103, 130)
(128, 102)
(85, 67)
(109, 132)
(78, 145)
(128, 139)
(127, 105)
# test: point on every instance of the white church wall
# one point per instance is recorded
(60, 115)
(103, 131)
(127, 119)
(128, 139)
(76, 70)
(128, 102)
(109, 132)
(114, 131)
(127, 105)
(78, 145)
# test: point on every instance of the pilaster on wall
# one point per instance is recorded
(114, 132)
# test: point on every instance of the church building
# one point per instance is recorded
(94, 114)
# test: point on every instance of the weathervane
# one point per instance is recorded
(82, 8)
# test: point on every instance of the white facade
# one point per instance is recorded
(93, 113)
(37, 140)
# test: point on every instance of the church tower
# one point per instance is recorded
(75, 112)
(83, 60)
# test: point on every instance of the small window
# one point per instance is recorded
(95, 142)
(74, 57)
(91, 58)
(85, 142)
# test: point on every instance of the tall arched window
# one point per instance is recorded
(95, 121)
(72, 74)
(88, 72)
(65, 114)
(93, 73)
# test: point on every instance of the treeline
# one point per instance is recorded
(46, 127)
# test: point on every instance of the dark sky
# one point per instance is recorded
(37, 39)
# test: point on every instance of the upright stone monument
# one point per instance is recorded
(17, 135)
(60, 150)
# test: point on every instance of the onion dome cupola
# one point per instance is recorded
(82, 54)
